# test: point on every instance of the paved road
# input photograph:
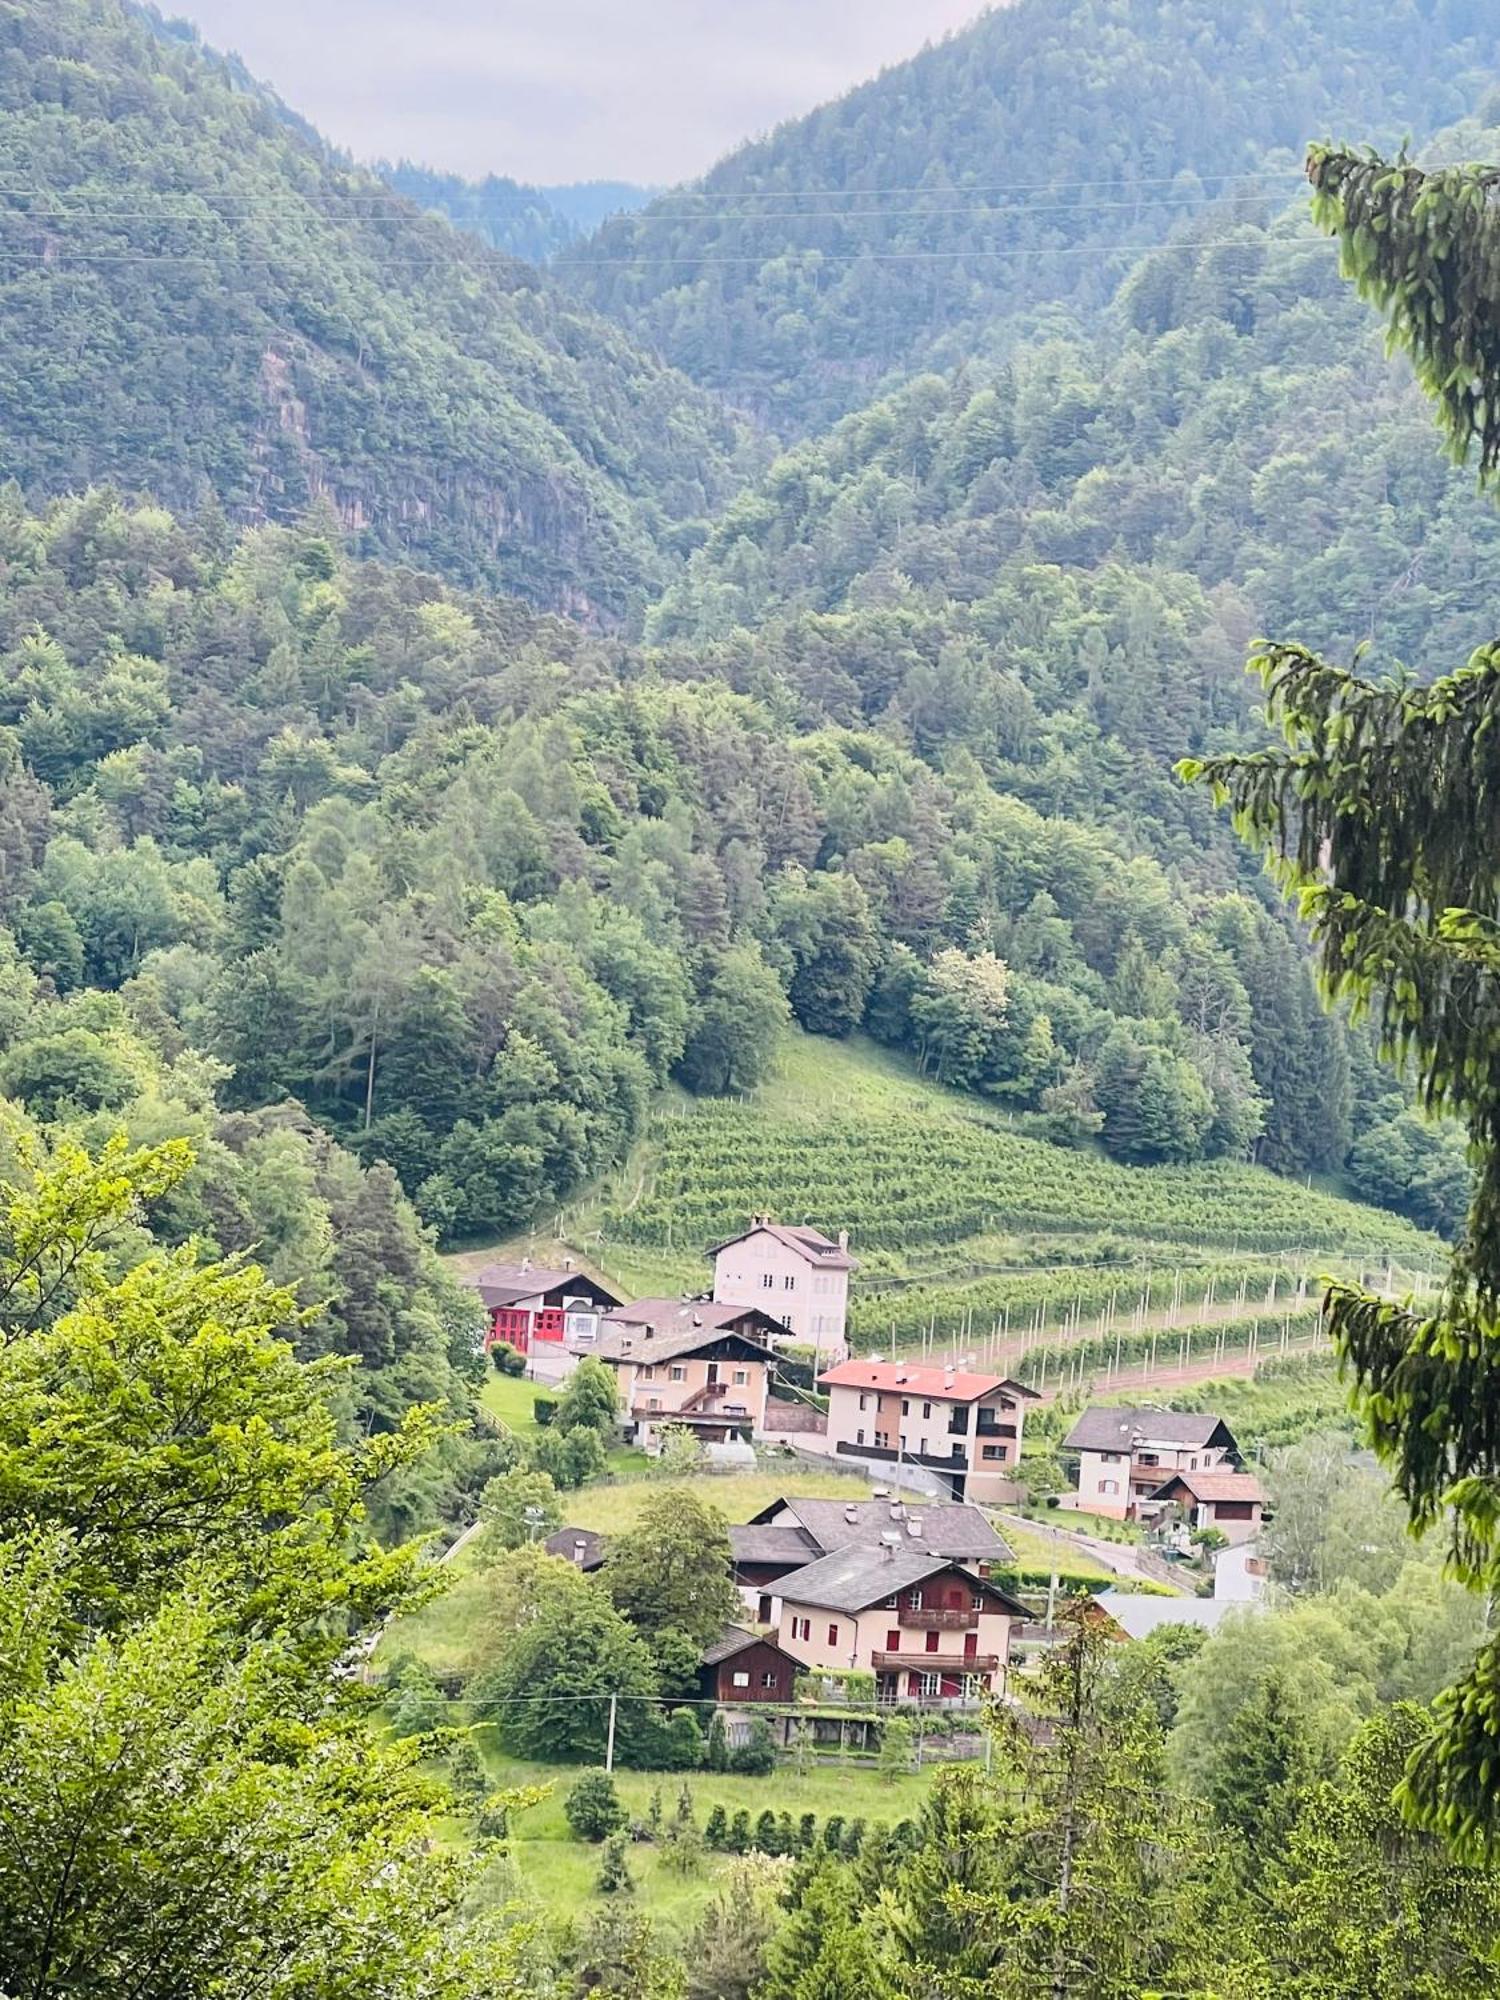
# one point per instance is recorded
(1117, 1556)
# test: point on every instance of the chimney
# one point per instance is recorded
(851, 1513)
(525, 1263)
(580, 1552)
(567, 1263)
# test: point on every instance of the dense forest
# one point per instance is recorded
(199, 300)
(522, 221)
(1019, 166)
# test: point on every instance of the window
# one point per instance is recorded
(653, 1402)
(1110, 1457)
(976, 1601)
(882, 1440)
(768, 1679)
(647, 1373)
(905, 1407)
(833, 1635)
(932, 1641)
(801, 1628)
(789, 1284)
(766, 1281)
(893, 1641)
(741, 1377)
(864, 1401)
(859, 1437)
(676, 1373)
(1193, 1467)
(740, 1680)
(927, 1409)
(786, 1319)
(914, 1598)
(930, 1684)
(1109, 1485)
(993, 1451)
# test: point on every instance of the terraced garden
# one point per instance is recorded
(976, 1238)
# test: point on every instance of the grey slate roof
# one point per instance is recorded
(583, 1546)
(1140, 1616)
(733, 1639)
(757, 1542)
(951, 1529)
(672, 1328)
(1104, 1429)
(853, 1579)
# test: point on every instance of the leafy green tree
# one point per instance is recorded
(823, 1949)
(590, 1400)
(726, 1954)
(741, 1009)
(947, 1942)
(896, 1739)
(519, 1506)
(673, 1569)
(549, 1693)
(592, 1807)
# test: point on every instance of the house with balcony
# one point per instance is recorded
(798, 1276)
(527, 1304)
(688, 1362)
(1125, 1454)
(925, 1628)
(1233, 1502)
(963, 1427)
(789, 1534)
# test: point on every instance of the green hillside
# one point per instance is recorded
(1019, 164)
(967, 1229)
(196, 299)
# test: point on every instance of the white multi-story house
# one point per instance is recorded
(927, 1629)
(797, 1275)
(1125, 1454)
(962, 1426)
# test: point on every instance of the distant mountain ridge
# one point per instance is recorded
(512, 216)
(197, 297)
(1015, 166)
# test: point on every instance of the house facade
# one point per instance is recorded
(1125, 1454)
(741, 1667)
(688, 1362)
(788, 1535)
(797, 1276)
(926, 1629)
(526, 1305)
(964, 1427)
(1230, 1501)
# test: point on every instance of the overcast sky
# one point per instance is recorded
(563, 90)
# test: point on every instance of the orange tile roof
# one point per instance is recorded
(946, 1385)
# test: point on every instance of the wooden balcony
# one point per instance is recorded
(936, 1663)
(937, 1621)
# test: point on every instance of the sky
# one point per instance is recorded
(563, 90)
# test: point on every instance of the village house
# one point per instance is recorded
(1125, 1454)
(1218, 1498)
(925, 1628)
(741, 1666)
(796, 1275)
(788, 1535)
(527, 1304)
(583, 1547)
(964, 1427)
(1241, 1574)
(688, 1362)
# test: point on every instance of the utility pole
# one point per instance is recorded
(609, 1747)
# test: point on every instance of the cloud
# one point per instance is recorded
(567, 89)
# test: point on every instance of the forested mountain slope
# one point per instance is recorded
(196, 299)
(1020, 163)
(511, 216)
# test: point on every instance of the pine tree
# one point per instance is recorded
(1381, 819)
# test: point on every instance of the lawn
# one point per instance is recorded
(1039, 1555)
(738, 1496)
(560, 1870)
(509, 1399)
(447, 1633)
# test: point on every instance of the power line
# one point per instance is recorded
(52, 260)
(193, 213)
(374, 192)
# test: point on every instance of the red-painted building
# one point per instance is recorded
(526, 1304)
(743, 1666)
